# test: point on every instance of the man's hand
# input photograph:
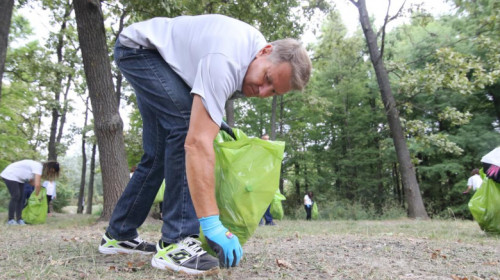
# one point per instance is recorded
(225, 244)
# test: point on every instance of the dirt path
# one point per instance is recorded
(66, 248)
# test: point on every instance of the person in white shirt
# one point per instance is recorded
(474, 182)
(183, 71)
(14, 176)
(50, 186)
(308, 204)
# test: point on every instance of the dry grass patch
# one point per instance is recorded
(66, 248)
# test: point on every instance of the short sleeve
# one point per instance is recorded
(217, 78)
(36, 168)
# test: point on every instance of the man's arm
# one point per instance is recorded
(200, 159)
(200, 163)
(37, 182)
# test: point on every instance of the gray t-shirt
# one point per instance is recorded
(211, 53)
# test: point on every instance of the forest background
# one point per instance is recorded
(444, 73)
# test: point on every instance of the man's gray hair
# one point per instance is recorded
(291, 51)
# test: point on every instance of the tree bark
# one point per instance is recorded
(108, 125)
(58, 110)
(273, 118)
(90, 193)
(230, 112)
(494, 92)
(83, 175)
(413, 197)
(6, 6)
(281, 127)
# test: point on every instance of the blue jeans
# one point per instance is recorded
(308, 211)
(267, 216)
(164, 101)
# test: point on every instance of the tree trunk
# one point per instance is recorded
(6, 6)
(297, 183)
(281, 124)
(230, 112)
(397, 186)
(64, 110)
(416, 207)
(273, 118)
(90, 194)
(108, 125)
(81, 193)
(57, 109)
(119, 76)
(494, 92)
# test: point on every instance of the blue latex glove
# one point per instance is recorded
(225, 244)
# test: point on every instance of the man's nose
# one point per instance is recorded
(266, 90)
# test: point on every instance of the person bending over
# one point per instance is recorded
(183, 71)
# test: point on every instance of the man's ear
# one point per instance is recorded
(266, 50)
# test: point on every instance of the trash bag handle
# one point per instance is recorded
(227, 129)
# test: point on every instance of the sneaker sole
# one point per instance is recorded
(181, 269)
(113, 251)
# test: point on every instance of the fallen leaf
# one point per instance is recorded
(454, 277)
(56, 262)
(284, 264)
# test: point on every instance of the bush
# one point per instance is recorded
(63, 197)
(348, 210)
(4, 197)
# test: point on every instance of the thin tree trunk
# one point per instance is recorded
(281, 124)
(119, 76)
(57, 109)
(64, 111)
(230, 112)
(416, 207)
(297, 183)
(6, 7)
(79, 208)
(494, 92)
(108, 125)
(273, 118)
(90, 194)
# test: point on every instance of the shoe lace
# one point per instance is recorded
(139, 240)
(194, 245)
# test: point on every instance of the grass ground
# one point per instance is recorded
(66, 248)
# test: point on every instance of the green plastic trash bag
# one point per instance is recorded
(159, 195)
(314, 211)
(276, 206)
(485, 206)
(247, 172)
(36, 210)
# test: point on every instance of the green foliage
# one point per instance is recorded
(4, 197)
(64, 195)
(444, 74)
(349, 210)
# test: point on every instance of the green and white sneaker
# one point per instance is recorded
(185, 256)
(137, 245)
